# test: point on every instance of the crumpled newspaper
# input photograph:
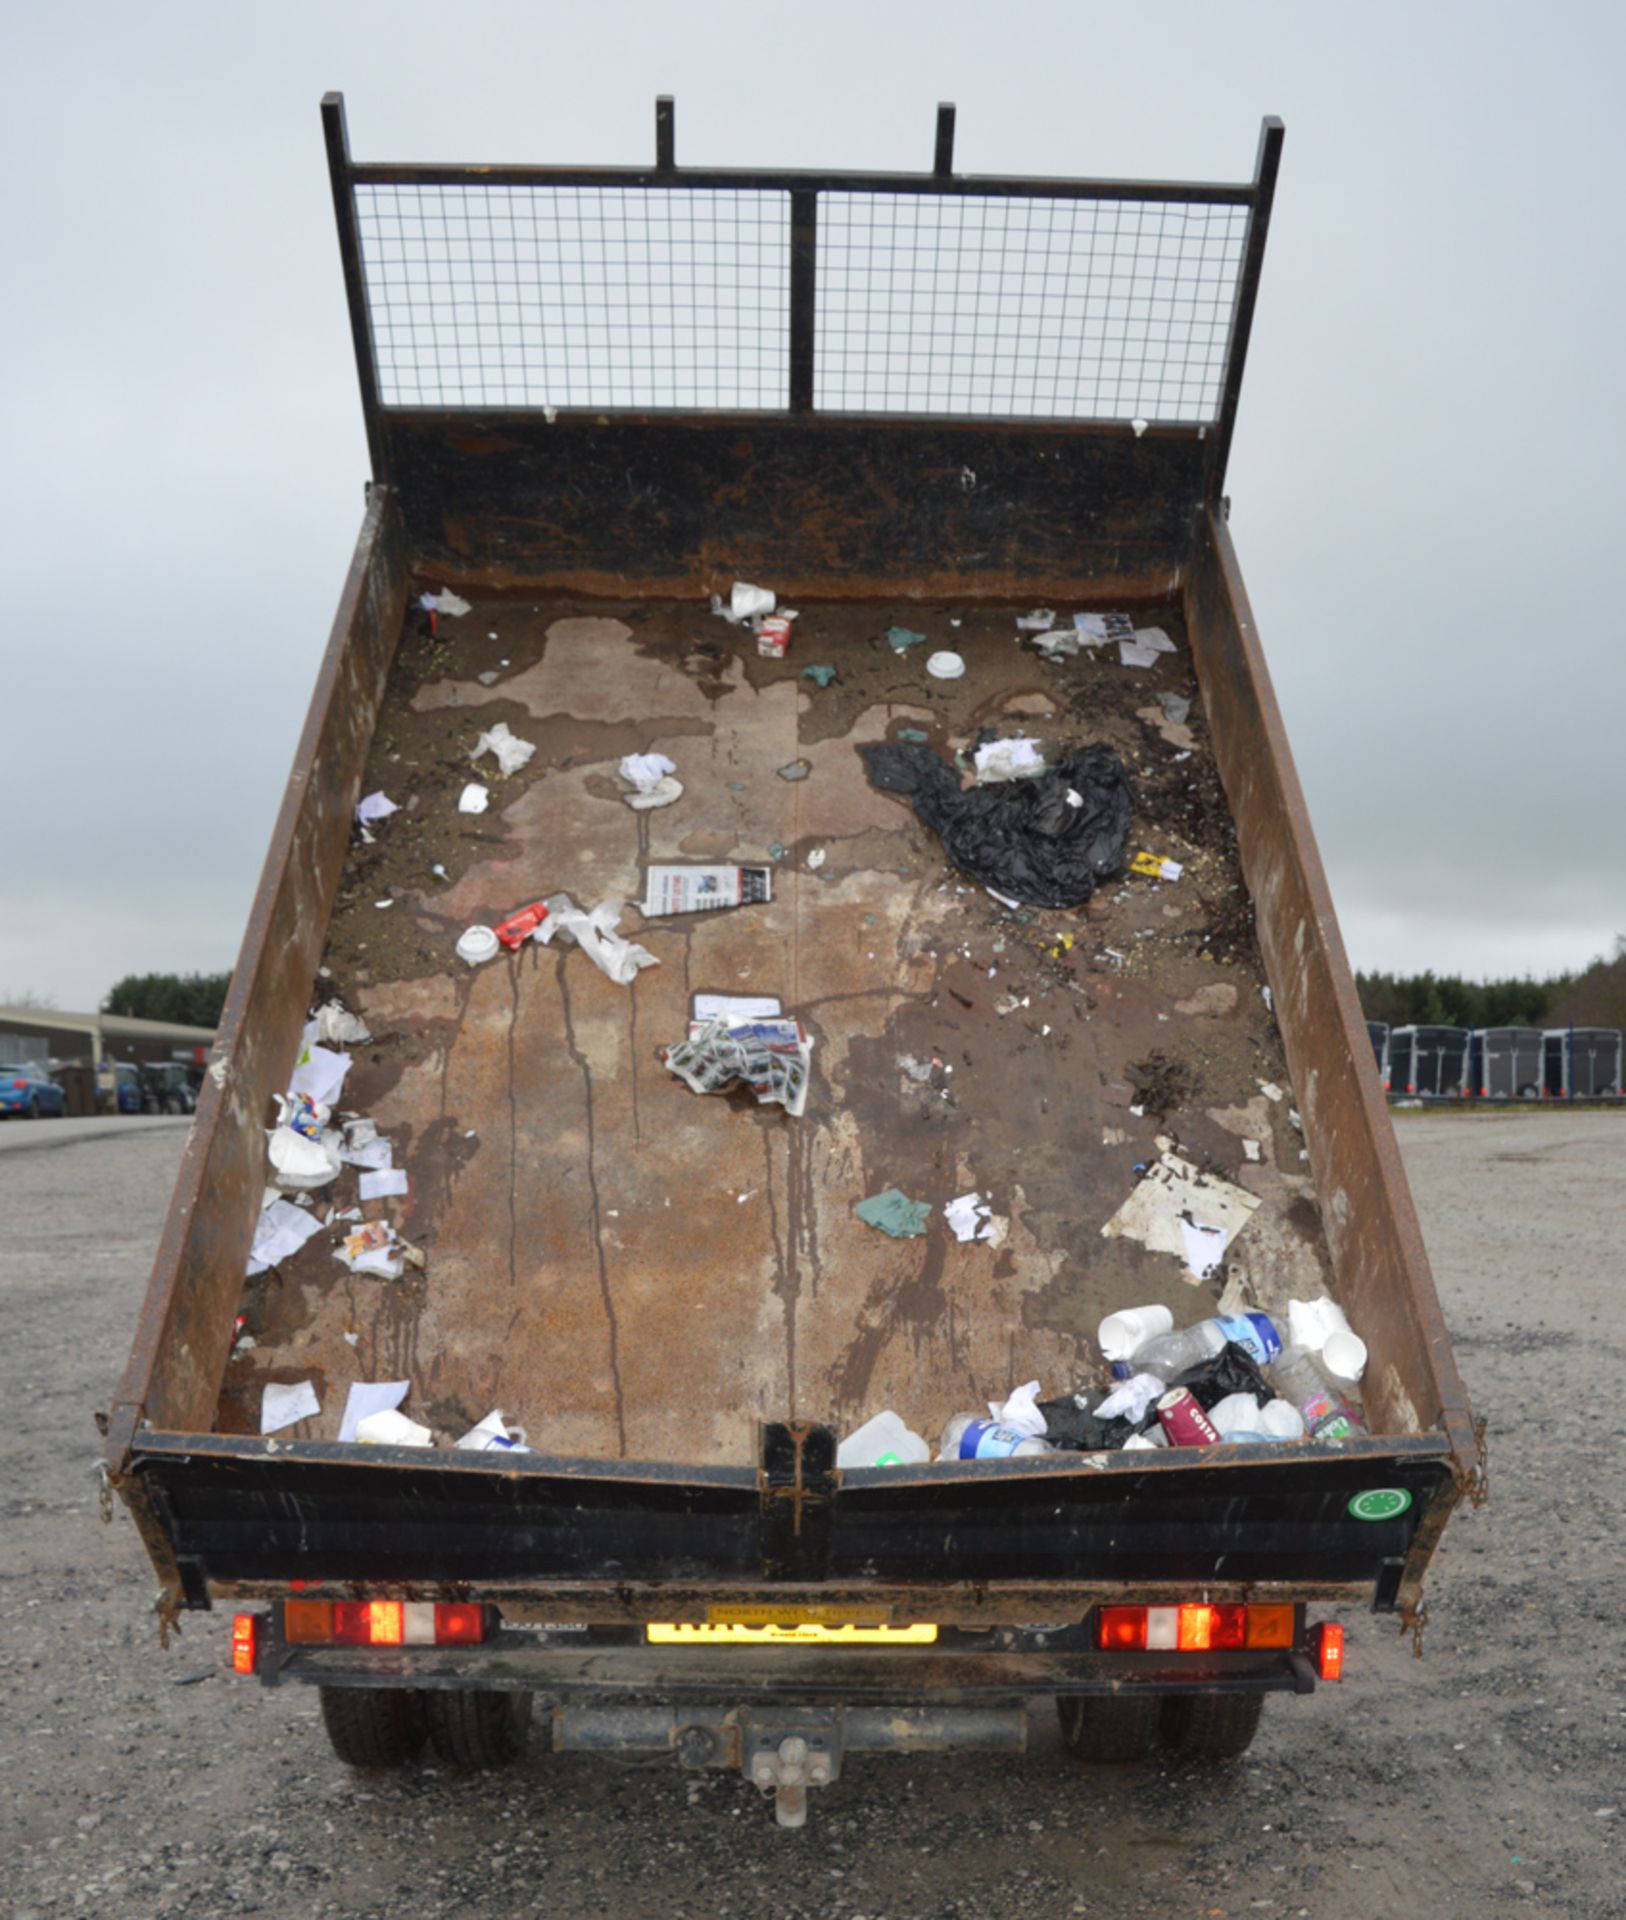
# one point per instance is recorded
(772, 1057)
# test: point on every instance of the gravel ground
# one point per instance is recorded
(1485, 1779)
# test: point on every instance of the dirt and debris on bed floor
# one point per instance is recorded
(629, 1269)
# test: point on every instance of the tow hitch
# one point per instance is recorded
(786, 1751)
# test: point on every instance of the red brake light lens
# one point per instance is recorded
(1195, 1628)
(1121, 1629)
(1329, 1650)
(383, 1623)
(245, 1641)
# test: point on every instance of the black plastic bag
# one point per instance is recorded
(1232, 1370)
(1023, 838)
(1070, 1425)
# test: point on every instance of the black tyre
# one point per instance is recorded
(479, 1729)
(1211, 1726)
(1108, 1728)
(34, 1108)
(373, 1726)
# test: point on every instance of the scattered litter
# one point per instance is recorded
(746, 602)
(373, 1249)
(281, 1406)
(971, 1219)
(1132, 1398)
(735, 1006)
(520, 925)
(945, 666)
(446, 602)
(821, 676)
(1294, 1120)
(1138, 427)
(1154, 867)
(699, 889)
(817, 858)
(1004, 899)
(1176, 708)
(894, 1213)
(1040, 620)
(281, 1230)
(915, 735)
(364, 1146)
(1020, 1411)
(336, 1027)
(386, 1184)
(901, 639)
(476, 945)
(773, 637)
(303, 1158)
(388, 1428)
(493, 1434)
(1143, 650)
(885, 1441)
(1173, 1196)
(771, 1056)
(1269, 1090)
(474, 798)
(662, 794)
(383, 903)
(1250, 1149)
(796, 770)
(1008, 760)
(318, 1074)
(645, 771)
(368, 1397)
(507, 749)
(1022, 837)
(595, 933)
(377, 806)
(1205, 1247)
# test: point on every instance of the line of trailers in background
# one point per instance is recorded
(1498, 1063)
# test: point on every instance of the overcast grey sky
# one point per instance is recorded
(1427, 477)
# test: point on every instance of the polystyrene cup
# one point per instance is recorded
(1120, 1333)
(392, 1429)
(1344, 1355)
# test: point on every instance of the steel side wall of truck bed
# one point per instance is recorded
(184, 1334)
(1384, 1280)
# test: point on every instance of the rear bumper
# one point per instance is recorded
(951, 1676)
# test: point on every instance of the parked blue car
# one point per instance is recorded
(25, 1089)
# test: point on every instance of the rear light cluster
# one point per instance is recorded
(1192, 1629)
(382, 1623)
(245, 1641)
(1329, 1650)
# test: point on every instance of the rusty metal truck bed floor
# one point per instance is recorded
(630, 1270)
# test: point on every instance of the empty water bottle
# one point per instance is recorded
(966, 1437)
(1169, 1354)
(1299, 1378)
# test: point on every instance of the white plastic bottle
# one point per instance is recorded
(884, 1441)
(967, 1437)
(1328, 1415)
(1169, 1354)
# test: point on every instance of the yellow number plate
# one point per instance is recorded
(786, 1633)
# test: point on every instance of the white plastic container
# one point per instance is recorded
(883, 1442)
(1120, 1333)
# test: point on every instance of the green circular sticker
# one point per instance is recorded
(1380, 1503)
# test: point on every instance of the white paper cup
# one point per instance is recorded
(1344, 1355)
(1311, 1323)
(1119, 1334)
(745, 600)
(392, 1429)
(945, 666)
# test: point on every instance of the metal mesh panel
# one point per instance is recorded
(1062, 309)
(488, 296)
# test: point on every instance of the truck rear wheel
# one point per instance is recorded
(1211, 1726)
(373, 1726)
(486, 1728)
(1103, 1728)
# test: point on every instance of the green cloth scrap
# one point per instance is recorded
(820, 676)
(911, 733)
(901, 639)
(895, 1214)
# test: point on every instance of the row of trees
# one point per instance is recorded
(1595, 997)
(189, 999)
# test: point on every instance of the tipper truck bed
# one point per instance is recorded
(672, 1293)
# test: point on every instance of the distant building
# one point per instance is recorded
(83, 1050)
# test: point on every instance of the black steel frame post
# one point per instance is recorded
(804, 273)
(1266, 168)
(340, 171)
